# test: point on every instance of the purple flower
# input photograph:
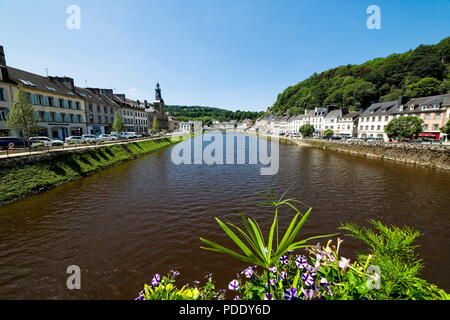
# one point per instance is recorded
(307, 279)
(325, 284)
(289, 251)
(301, 262)
(272, 282)
(291, 294)
(233, 285)
(311, 270)
(196, 282)
(284, 260)
(156, 279)
(236, 298)
(268, 296)
(248, 272)
(273, 269)
(175, 273)
(208, 276)
(310, 293)
(141, 297)
(283, 275)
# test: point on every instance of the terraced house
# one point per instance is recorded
(99, 111)
(432, 110)
(58, 109)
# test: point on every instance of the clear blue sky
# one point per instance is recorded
(234, 54)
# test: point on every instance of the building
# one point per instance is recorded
(263, 124)
(156, 110)
(295, 123)
(101, 109)
(186, 126)
(315, 118)
(347, 125)
(373, 120)
(330, 120)
(279, 125)
(432, 110)
(60, 112)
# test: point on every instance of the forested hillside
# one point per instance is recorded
(420, 72)
(205, 114)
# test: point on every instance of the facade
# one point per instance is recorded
(295, 123)
(347, 125)
(330, 120)
(373, 120)
(156, 110)
(432, 110)
(7, 90)
(316, 119)
(99, 112)
(279, 125)
(59, 110)
(186, 126)
(263, 123)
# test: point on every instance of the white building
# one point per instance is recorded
(373, 120)
(347, 125)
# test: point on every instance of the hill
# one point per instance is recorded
(206, 114)
(419, 72)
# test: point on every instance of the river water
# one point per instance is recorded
(126, 223)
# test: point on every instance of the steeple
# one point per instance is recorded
(157, 92)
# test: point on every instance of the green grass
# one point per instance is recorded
(20, 181)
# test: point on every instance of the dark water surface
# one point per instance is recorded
(126, 223)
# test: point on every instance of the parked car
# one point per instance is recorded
(48, 142)
(89, 137)
(123, 135)
(74, 139)
(131, 135)
(431, 141)
(107, 137)
(13, 142)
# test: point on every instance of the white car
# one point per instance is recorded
(89, 137)
(46, 141)
(123, 135)
(106, 137)
(75, 139)
(132, 135)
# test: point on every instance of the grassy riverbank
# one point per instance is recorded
(19, 180)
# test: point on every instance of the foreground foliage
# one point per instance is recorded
(284, 269)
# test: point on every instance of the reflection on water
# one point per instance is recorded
(128, 222)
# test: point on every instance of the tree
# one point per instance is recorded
(155, 126)
(306, 130)
(446, 129)
(423, 88)
(328, 133)
(118, 125)
(21, 115)
(404, 127)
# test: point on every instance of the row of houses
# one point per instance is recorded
(63, 109)
(368, 123)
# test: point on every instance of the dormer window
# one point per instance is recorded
(411, 107)
(401, 108)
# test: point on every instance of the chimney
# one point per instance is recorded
(2, 57)
(66, 81)
(145, 104)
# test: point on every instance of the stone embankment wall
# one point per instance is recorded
(435, 156)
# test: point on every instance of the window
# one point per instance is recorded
(2, 96)
(2, 115)
(105, 109)
(90, 107)
(99, 117)
(71, 117)
(53, 116)
(435, 127)
(386, 118)
(40, 100)
(425, 126)
(378, 127)
(50, 101)
(41, 115)
(427, 116)
(379, 118)
(437, 116)
(70, 104)
(372, 127)
(61, 103)
(78, 105)
(79, 118)
(98, 109)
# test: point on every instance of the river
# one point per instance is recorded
(126, 223)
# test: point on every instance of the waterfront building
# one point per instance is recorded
(263, 123)
(373, 120)
(432, 110)
(101, 114)
(186, 127)
(295, 122)
(315, 118)
(279, 125)
(59, 110)
(156, 110)
(347, 125)
(330, 120)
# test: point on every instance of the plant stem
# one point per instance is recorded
(268, 282)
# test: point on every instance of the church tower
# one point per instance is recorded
(157, 92)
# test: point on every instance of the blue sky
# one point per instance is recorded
(235, 54)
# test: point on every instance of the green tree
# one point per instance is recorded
(404, 127)
(446, 129)
(306, 130)
(118, 125)
(155, 126)
(424, 87)
(21, 115)
(328, 133)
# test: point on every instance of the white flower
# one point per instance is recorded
(344, 263)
